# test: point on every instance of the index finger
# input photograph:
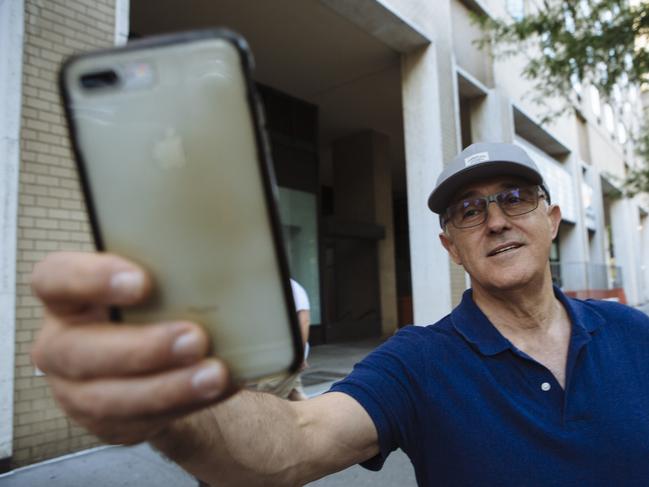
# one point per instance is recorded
(69, 282)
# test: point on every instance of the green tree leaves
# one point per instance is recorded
(604, 43)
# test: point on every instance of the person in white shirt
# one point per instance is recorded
(290, 387)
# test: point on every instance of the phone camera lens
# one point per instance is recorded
(99, 79)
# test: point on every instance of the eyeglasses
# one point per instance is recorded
(473, 212)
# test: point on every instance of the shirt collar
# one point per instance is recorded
(472, 324)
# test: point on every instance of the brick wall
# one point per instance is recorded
(50, 214)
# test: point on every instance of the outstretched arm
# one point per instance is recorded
(132, 383)
(258, 439)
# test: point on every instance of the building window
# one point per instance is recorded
(516, 8)
(621, 133)
(617, 95)
(595, 102)
(609, 119)
(576, 84)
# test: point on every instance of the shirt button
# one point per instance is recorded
(546, 386)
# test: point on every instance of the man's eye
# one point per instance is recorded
(513, 199)
(470, 212)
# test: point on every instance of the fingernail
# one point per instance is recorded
(187, 346)
(127, 284)
(208, 380)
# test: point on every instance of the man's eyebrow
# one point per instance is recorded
(510, 184)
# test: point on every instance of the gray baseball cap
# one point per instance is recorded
(479, 161)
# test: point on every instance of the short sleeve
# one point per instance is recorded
(387, 383)
(300, 296)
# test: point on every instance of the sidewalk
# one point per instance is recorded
(141, 466)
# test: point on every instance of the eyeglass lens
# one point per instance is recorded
(513, 202)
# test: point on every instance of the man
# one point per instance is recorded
(519, 385)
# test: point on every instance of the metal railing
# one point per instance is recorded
(585, 275)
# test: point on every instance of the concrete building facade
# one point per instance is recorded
(365, 101)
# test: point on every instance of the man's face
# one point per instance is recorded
(504, 252)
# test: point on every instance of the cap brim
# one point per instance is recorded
(441, 197)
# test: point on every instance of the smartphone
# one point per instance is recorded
(169, 142)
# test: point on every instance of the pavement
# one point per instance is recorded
(141, 466)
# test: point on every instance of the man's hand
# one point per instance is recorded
(130, 383)
(125, 382)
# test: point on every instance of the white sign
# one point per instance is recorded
(476, 159)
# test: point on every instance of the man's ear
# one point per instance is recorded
(554, 213)
(449, 245)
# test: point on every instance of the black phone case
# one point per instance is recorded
(263, 153)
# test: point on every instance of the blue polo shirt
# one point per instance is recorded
(469, 408)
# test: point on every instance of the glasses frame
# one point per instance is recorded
(445, 217)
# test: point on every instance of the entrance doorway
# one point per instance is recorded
(322, 80)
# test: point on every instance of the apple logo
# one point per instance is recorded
(168, 152)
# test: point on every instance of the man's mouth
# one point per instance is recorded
(501, 249)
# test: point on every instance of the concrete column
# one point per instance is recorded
(574, 238)
(383, 214)
(573, 265)
(644, 249)
(430, 110)
(636, 234)
(492, 119)
(624, 227)
(425, 156)
(363, 187)
(122, 21)
(11, 49)
(597, 247)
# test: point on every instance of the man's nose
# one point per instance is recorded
(497, 220)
